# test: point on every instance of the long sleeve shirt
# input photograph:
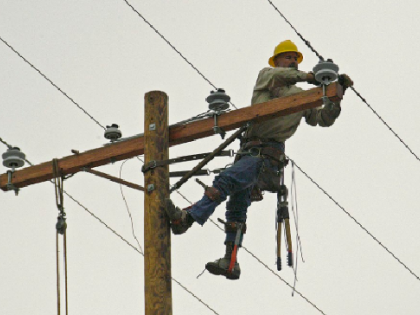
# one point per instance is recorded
(279, 82)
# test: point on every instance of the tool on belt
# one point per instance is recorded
(283, 217)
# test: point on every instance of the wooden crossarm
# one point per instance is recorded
(177, 135)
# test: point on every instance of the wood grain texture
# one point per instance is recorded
(177, 135)
(157, 237)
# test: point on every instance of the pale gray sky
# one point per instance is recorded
(106, 58)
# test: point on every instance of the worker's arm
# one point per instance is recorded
(327, 115)
(324, 116)
(271, 78)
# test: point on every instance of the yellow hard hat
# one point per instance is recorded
(285, 46)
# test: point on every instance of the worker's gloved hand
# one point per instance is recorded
(311, 79)
(333, 109)
(345, 80)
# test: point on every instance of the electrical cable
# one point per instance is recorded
(293, 197)
(353, 89)
(172, 46)
(354, 219)
(128, 209)
(52, 83)
(137, 250)
(385, 123)
(255, 257)
(301, 37)
(125, 241)
(6, 144)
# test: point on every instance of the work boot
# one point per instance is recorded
(180, 219)
(220, 267)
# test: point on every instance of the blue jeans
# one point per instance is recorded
(237, 182)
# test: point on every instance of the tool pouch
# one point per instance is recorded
(269, 180)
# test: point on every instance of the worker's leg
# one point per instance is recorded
(236, 210)
(240, 176)
(235, 216)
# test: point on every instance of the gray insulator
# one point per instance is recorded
(326, 71)
(218, 100)
(112, 132)
(13, 158)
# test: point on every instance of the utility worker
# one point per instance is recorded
(268, 137)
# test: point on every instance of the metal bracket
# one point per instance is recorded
(153, 164)
(216, 128)
(9, 185)
(152, 127)
(150, 187)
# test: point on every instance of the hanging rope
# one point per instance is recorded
(61, 228)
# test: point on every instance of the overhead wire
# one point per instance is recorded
(126, 241)
(52, 83)
(128, 209)
(385, 123)
(300, 35)
(6, 144)
(353, 89)
(329, 196)
(355, 220)
(172, 46)
(141, 253)
(262, 263)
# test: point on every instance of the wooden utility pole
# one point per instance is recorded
(157, 237)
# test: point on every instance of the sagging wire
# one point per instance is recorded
(128, 209)
(52, 83)
(353, 89)
(293, 198)
(354, 219)
(172, 46)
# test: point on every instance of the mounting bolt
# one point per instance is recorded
(152, 127)
(150, 187)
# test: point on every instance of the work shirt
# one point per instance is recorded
(279, 82)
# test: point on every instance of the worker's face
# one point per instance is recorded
(287, 60)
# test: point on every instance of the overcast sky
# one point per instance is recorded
(105, 57)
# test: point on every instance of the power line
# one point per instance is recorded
(354, 219)
(6, 144)
(277, 275)
(137, 250)
(354, 90)
(384, 122)
(128, 209)
(125, 241)
(259, 260)
(52, 83)
(172, 46)
(301, 37)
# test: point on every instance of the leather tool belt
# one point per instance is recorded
(260, 149)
